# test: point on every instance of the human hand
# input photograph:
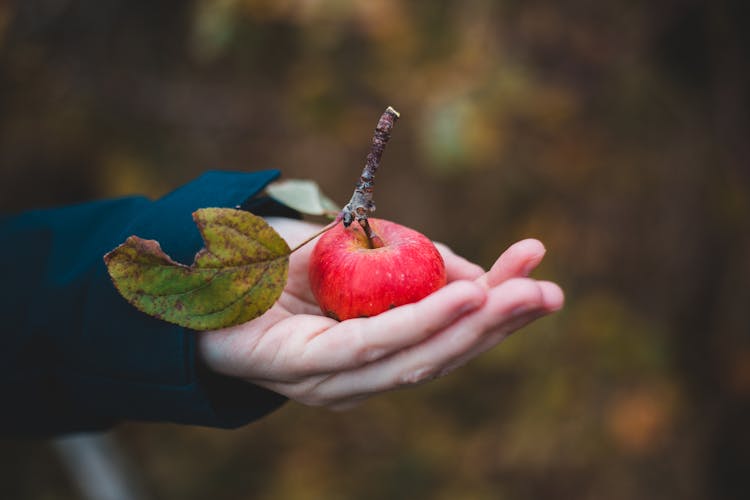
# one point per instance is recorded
(294, 350)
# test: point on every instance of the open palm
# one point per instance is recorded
(294, 350)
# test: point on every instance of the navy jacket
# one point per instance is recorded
(74, 355)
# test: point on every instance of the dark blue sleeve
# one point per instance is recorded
(74, 355)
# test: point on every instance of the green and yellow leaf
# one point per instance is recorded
(238, 276)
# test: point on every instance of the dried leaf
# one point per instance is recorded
(238, 276)
(304, 196)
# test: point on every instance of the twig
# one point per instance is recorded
(308, 240)
(361, 205)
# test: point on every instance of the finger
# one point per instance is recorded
(552, 300)
(425, 375)
(356, 342)
(457, 267)
(517, 261)
(508, 306)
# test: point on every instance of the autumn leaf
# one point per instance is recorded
(238, 276)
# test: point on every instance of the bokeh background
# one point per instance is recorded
(616, 132)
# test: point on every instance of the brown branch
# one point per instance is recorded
(361, 205)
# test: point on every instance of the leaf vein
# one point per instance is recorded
(240, 298)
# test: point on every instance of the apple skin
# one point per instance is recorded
(350, 280)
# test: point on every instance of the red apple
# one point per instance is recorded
(350, 280)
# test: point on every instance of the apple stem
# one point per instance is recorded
(361, 205)
(373, 240)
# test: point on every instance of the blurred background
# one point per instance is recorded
(616, 132)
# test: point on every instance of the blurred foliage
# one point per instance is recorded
(616, 132)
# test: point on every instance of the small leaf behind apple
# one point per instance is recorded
(303, 196)
(238, 276)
